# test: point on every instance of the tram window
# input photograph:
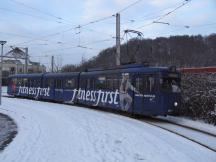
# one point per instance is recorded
(49, 83)
(25, 82)
(19, 82)
(31, 82)
(37, 82)
(83, 83)
(116, 83)
(139, 85)
(101, 82)
(34, 82)
(90, 83)
(170, 85)
(69, 83)
(151, 81)
(150, 84)
(58, 84)
(145, 84)
(109, 83)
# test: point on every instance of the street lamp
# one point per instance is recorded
(2, 44)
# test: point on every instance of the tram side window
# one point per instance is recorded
(31, 83)
(101, 82)
(34, 82)
(70, 83)
(90, 83)
(25, 82)
(145, 84)
(37, 82)
(116, 83)
(19, 82)
(139, 85)
(58, 84)
(109, 83)
(82, 83)
(149, 83)
(152, 86)
(49, 83)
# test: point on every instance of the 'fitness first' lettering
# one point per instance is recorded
(34, 91)
(96, 96)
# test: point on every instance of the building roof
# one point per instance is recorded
(12, 62)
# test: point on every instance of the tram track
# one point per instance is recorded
(200, 137)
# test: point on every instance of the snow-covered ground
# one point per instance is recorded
(49, 132)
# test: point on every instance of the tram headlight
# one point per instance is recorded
(175, 104)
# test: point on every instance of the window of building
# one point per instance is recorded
(12, 70)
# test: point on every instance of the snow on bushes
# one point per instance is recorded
(199, 96)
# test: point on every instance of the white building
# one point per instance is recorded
(14, 63)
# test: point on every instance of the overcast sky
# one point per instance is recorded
(48, 27)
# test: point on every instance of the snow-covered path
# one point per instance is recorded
(49, 132)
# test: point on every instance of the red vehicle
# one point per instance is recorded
(198, 70)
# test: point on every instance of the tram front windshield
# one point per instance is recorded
(169, 84)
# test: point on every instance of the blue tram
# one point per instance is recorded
(135, 89)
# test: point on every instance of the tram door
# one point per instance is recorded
(143, 97)
(58, 90)
(139, 94)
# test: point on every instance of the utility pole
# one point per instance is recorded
(1, 68)
(118, 43)
(52, 64)
(26, 60)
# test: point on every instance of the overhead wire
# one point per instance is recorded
(170, 12)
(27, 14)
(105, 18)
(185, 26)
(166, 14)
(129, 6)
(78, 26)
(79, 46)
(95, 21)
(38, 10)
(69, 29)
(154, 14)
